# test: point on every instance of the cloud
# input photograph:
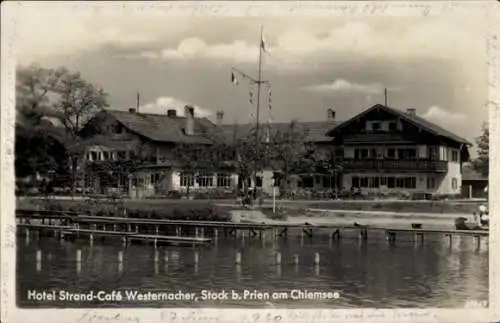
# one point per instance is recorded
(302, 47)
(442, 116)
(164, 103)
(341, 85)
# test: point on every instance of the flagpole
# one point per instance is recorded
(259, 83)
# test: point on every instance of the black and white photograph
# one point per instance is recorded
(275, 158)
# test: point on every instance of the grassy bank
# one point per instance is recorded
(174, 211)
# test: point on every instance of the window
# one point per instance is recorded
(411, 153)
(105, 155)
(122, 155)
(364, 153)
(187, 179)
(223, 180)
(155, 178)
(339, 153)
(93, 155)
(307, 181)
(373, 182)
(391, 153)
(375, 126)
(364, 182)
(410, 182)
(400, 182)
(433, 153)
(383, 181)
(393, 126)
(355, 181)
(454, 183)
(205, 179)
(373, 153)
(401, 154)
(431, 182)
(454, 156)
(391, 182)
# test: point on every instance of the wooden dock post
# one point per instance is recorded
(316, 259)
(295, 259)
(278, 258)
(39, 255)
(238, 258)
(478, 242)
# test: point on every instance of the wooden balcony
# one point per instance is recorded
(385, 165)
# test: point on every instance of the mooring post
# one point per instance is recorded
(278, 258)
(238, 258)
(316, 258)
(295, 259)
(478, 242)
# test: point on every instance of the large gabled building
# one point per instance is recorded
(385, 149)
(381, 149)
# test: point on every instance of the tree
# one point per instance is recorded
(61, 95)
(39, 145)
(290, 152)
(481, 163)
(77, 101)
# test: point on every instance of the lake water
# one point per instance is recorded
(356, 273)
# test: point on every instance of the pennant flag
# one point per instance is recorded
(251, 97)
(263, 45)
(269, 99)
(234, 80)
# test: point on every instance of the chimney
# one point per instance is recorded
(220, 116)
(411, 112)
(171, 113)
(189, 114)
(132, 110)
(331, 114)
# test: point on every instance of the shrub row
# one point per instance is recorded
(184, 211)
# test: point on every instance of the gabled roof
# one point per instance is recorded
(315, 131)
(470, 174)
(164, 128)
(415, 119)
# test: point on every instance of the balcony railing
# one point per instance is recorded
(438, 166)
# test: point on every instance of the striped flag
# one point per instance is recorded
(234, 80)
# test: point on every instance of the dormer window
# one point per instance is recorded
(376, 126)
(393, 126)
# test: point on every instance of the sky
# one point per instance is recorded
(434, 64)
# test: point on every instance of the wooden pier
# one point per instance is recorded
(196, 232)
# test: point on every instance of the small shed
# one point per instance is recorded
(474, 184)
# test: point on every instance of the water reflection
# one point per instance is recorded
(372, 273)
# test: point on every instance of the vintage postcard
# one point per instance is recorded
(250, 161)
